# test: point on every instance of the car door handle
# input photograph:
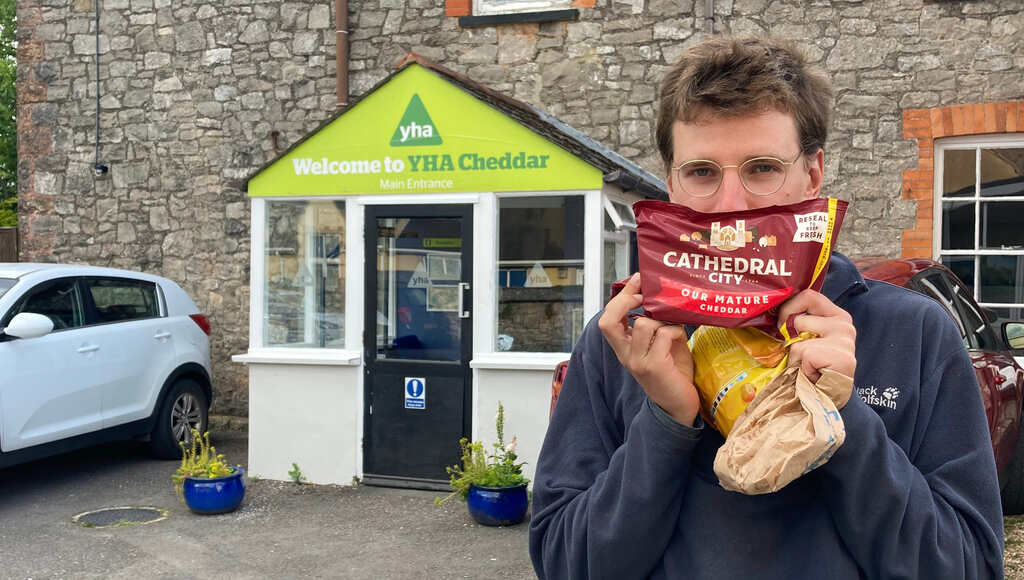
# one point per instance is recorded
(88, 348)
(161, 334)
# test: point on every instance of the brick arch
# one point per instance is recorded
(927, 125)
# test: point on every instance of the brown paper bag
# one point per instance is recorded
(790, 428)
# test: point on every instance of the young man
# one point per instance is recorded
(625, 486)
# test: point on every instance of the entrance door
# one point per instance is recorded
(419, 264)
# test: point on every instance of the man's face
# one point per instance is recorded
(731, 141)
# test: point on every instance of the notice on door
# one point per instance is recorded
(415, 393)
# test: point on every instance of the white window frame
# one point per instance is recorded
(258, 352)
(591, 273)
(491, 7)
(975, 143)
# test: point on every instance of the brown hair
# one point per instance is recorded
(725, 76)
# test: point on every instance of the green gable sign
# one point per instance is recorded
(418, 133)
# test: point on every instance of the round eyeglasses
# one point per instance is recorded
(759, 176)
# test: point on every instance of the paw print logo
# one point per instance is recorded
(891, 393)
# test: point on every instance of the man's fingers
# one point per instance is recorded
(825, 326)
(810, 302)
(614, 323)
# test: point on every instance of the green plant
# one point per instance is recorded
(200, 460)
(495, 469)
(296, 474)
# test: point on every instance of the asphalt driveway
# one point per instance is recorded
(282, 530)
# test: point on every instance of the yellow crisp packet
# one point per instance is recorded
(732, 365)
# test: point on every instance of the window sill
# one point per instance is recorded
(297, 356)
(526, 361)
(518, 17)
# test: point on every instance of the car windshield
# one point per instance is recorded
(6, 284)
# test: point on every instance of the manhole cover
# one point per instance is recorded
(120, 516)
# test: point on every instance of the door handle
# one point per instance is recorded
(161, 334)
(88, 348)
(463, 286)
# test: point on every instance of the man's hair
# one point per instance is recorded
(732, 77)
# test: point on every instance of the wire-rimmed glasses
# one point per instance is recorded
(759, 175)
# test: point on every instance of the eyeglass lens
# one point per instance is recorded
(760, 176)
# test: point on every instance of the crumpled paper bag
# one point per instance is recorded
(790, 428)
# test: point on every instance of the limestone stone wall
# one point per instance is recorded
(197, 95)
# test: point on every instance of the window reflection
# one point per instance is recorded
(304, 267)
(540, 272)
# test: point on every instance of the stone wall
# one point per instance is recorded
(196, 95)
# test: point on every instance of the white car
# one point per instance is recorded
(91, 354)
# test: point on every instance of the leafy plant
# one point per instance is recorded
(495, 469)
(296, 474)
(201, 461)
(8, 114)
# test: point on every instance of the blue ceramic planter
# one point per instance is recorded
(497, 506)
(215, 496)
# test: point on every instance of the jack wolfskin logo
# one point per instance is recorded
(879, 398)
(415, 128)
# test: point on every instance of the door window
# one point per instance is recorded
(58, 300)
(119, 299)
(420, 300)
(934, 285)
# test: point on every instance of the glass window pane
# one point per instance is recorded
(540, 272)
(1002, 172)
(58, 300)
(304, 289)
(934, 286)
(958, 172)
(1002, 279)
(963, 267)
(123, 299)
(6, 284)
(1002, 225)
(958, 225)
(1007, 314)
(419, 267)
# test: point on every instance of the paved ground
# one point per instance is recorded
(281, 531)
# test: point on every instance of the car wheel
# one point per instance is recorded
(1013, 490)
(184, 408)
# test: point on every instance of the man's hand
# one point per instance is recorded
(835, 346)
(655, 353)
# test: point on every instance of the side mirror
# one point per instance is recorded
(29, 325)
(1013, 334)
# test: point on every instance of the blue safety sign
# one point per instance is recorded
(415, 393)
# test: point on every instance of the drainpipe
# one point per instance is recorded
(709, 16)
(341, 20)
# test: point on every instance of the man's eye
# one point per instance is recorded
(701, 171)
(765, 168)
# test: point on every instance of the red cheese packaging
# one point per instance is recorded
(732, 269)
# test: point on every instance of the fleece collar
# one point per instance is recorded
(842, 279)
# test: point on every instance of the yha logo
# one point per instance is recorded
(729, 238)
(416, 128)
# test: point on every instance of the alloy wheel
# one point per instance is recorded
(186, 416)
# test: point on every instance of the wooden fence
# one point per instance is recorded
(8, 244)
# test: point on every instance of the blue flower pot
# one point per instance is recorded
(497, 506)
(217, 495)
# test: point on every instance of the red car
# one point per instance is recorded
(1000, 378)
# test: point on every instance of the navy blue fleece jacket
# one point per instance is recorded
(622, 491)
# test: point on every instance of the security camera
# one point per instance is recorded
(100, 169)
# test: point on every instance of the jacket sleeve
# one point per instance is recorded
(608, 483)
(932, 511)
